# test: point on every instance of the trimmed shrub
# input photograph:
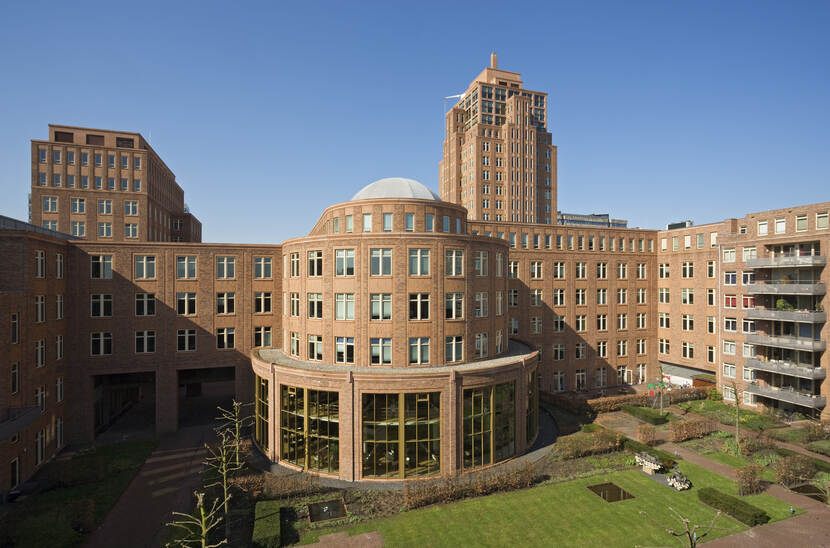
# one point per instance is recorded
(419, 494)
(666, 458)
(687, 430)
(615, 403)
(822, 446)
(646, 434)
(815, 431)
(748, 479)
(651, 416)
(733, 506)
(583, 444)
(794, 469)
(266, 524)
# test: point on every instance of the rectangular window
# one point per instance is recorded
(262, 302)
(454, 306)
(419, 306)
(226, 303)
(101, 343)
(344, 349)
(262, 336)
(186, 267)
(380, 306)
(780, 226)
(225, 268)
(822, 220)
(380, 351)
(100, 306)
(419, 350)
(145, 304)
(419, 262)
(481, 304)
(186, 340)
(344, 262)
(315, 347)
(315, 263)
(481, 345)
(105, 230)
(729, 255)
(344, 306)
(481, 263)
(315, 305)
(387, 222)
(409, 222)
(40, 264)
(429, 222)
(380, 262)
(262, 268)
(225, 337)
(145, 267)
(367, 222)
(294, 300)
(454, 351)
(145, 342)
(454, 262)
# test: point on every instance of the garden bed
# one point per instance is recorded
(725, 414)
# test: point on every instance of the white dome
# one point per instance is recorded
(396, 187)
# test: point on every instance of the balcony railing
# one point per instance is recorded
(788, 395)
(787, 368)
(786, 288)
(805, 316)
(783, 261)
(793, 343)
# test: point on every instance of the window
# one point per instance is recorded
(711, 324)
(294, 300)
(344, 262)
(40, 353)
(748, 326)
(641, 346)
(729, 348)
(419, 262)
(262, 267)
(225, 337)
(387, 222)
(622, 295)
(801, 223)
(730, 324)
(535, 297)
(419, 350)
(558, 297)
(344, 349)
(580, 270)
(409, 222)
(380, 263)
(710, 297)
(429, 222)
(315, 263)
(40, 264)
(749, 253)
(730, 301)
(687, 296)
(664, 320)
(100, 306)
(136, 185)
(186, 267)
(101, 343)
(602, 271)
(295, 344)
(748, 278)
(380, 351)
(481, 345)
(446, 223)
(56, 179)
(419, 306)
(98, 183)
(780, 226)
(748, 301)
(367, 222)
(137, 162)
(186, 340)
(50, 204)
(821, 220)
(729, 255)
(262, 302)
(454, 263)
(58, 307)
(602, 296)
(294, 264)
(15, 328)
(730, 278)
(344, 306)
(78, 229)
(145, 267)
(454, 306)
(710, 354)
(728, 371)
(749, 351)
(454, 351)
(688, 350)
(145, 304)
(663, 295)
(225, 303)
(315, 305)
(602, 322)
(186, 304)
(481, 304)
(262, 336)
(622, 271)
(105, 230)
(622, 348)
(42, 179)
(481, 263)
(687, 270)
(380, 306)
(40, 308)
(622, 322)
(225, 268)
(641, 320)
(641, 270)
(145, 342)
(663, 346)
(315, 347)
(641, 295)
(513, 269)
(98, 161)
(131, 230)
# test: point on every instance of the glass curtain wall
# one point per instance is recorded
(309, 428)
(261, 434)
(489, 424)
(532, 421)
(401, 434)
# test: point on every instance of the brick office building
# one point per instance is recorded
(362, 372)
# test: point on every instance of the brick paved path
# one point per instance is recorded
(165, 483)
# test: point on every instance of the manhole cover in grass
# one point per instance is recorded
(610, 492)
(324, 511)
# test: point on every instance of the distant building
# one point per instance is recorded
(593, 219)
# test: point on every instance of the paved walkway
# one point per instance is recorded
(165, 483)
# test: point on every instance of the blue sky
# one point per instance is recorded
(269, 112)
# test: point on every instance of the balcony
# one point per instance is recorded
(793, 343)
(803, 316)
(788, 395)
(786, 289)
(787, 261)
(787, 368)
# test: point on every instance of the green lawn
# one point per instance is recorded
(789, 435)
(565, 514)
(85, 488)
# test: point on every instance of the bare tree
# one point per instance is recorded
(234, 421)
(689, 531)
(737, 417)
(221, 462)
(196, 528)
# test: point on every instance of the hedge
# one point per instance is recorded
(820, 464)
(583, 444)
(666, 458)
(651, 416)
(735, 507)
(687, 430)
(266, 524)
(575, 404)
